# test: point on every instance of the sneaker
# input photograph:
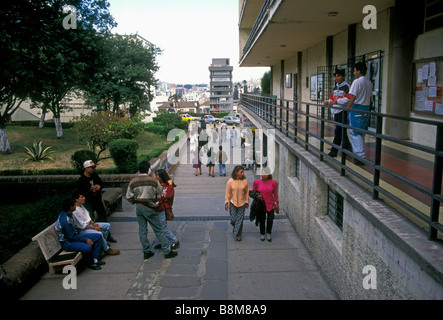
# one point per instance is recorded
(112, 239)
(171, 254)
(112, 252)
(175, 245)
(95, 266)
(147, 255)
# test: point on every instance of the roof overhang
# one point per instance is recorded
(290, 26)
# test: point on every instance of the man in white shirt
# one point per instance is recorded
(84, 224)
(361, 92)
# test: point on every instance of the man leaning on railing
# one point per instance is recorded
(361, 92)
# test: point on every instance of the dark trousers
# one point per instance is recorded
(338, 139)
(268, 219)
(95, 203)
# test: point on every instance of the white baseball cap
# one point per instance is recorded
(88, 163)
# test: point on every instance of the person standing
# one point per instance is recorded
(233, 133)
(237, 199)
(211, 161)
(222, 158)
(90, 185)
(360, 99)
(339, 98)
(196, 162)
(143, 191)
(268, 189)
(166, 200)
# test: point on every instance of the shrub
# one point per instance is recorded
(81, 156)
(124, 154)
(38, 152)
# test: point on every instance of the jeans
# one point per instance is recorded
(106, 228)
(222, 168)
(147, 215)
(90, 252)
(171, 237)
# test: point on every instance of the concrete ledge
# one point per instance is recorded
(21, 271)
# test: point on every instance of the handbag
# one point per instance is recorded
(169, 213)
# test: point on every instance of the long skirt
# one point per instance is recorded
(237, 216)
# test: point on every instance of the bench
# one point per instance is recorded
(112, 199)
(52, 250)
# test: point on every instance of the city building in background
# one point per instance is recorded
(221, 98)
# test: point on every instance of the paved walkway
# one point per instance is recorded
(211, 264)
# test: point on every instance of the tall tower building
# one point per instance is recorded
(221, 99)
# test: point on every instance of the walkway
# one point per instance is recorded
(210, 265)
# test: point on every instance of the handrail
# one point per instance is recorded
(284, 115)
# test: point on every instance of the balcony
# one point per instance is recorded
(274, 30)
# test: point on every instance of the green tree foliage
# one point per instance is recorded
(124, 154)
(125, 75)
(266, 83)
(40, 58)
(165, 122)
(98, 129)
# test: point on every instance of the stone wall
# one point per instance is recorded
(378, 254)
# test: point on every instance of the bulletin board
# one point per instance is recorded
(428, 86)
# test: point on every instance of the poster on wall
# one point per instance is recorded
(428, 86)
(317, 87)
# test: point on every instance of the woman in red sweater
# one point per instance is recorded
(268, 192)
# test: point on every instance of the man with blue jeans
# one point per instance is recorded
(360, 92)
(143, 191)
(84, 224)
(222, 158)
(70, 240)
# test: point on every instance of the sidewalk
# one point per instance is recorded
(211, 264)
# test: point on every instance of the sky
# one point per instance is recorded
(190, 32)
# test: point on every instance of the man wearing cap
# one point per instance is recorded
(90, 185)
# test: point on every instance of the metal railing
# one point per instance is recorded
(307, 124)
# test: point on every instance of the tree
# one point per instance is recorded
(266, 83)
(98, 129)
(125, 76)
(175, 99)
(15, 70)
(64, 59)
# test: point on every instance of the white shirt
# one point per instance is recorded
(81, 217)
(361, 88)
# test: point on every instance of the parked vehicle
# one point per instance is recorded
(188, 117)
(210, 119)
(231, 120)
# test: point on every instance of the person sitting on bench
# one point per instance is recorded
(70, 240)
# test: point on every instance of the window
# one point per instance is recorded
(335, 207)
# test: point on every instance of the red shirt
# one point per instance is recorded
(268, 190)
(168, 198)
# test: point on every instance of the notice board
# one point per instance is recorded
(428, 86)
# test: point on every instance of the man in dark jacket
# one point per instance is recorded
(90, 185)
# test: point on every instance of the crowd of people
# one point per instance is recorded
(153, 193)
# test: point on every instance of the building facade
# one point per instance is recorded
(304, 42)
(221, 88)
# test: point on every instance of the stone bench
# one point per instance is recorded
(52, 250)
(112, 200)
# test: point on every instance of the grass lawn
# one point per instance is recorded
(43, 209)
(150, 145)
